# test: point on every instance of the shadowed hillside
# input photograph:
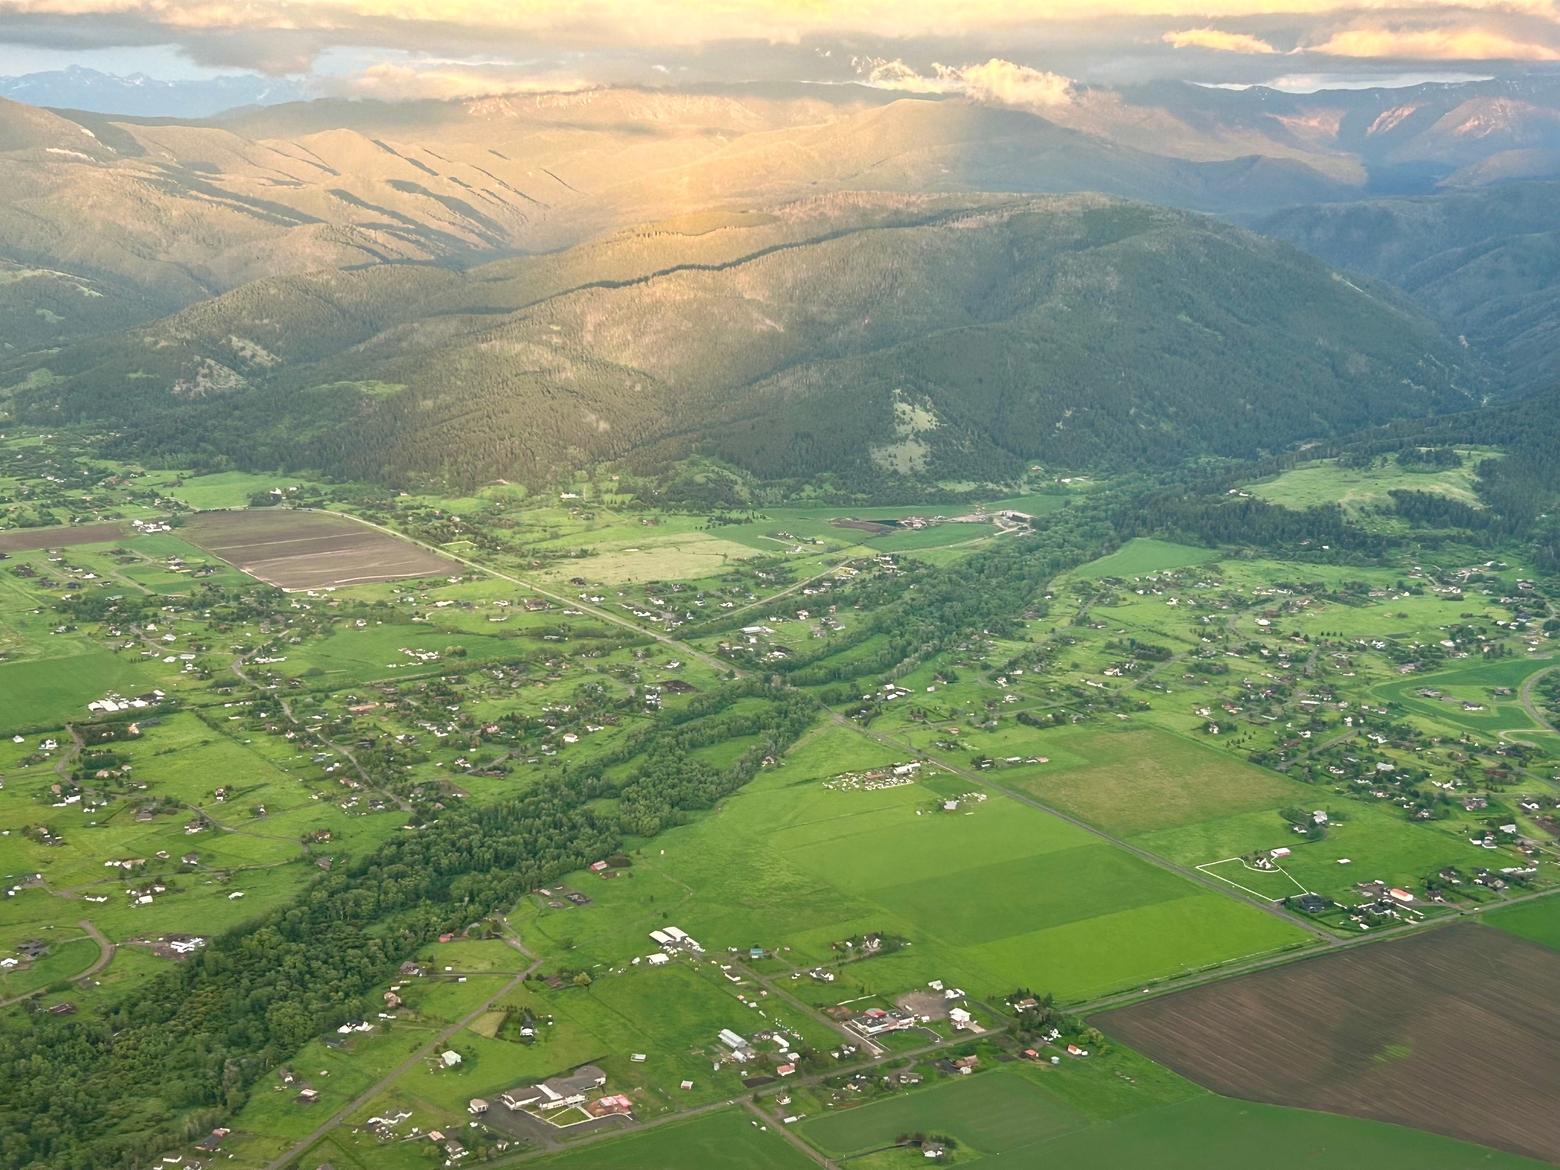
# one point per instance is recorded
(1484, 261)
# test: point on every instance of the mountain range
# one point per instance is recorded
(77, 87)
(891, 334)
(796, 278)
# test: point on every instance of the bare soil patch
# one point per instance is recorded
(1456, 1031)
(297, 550)
(27, 539)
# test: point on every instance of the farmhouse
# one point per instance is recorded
(558, 1092)
(876, 1021)
(740, 1049)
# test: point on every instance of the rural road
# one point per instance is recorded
(105, 956)
(1525, 697)
(595, 611)
(289, 1156)
(719, 665)
(105, 952)
(797, 1143)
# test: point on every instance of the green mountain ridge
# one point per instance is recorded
(933, 336)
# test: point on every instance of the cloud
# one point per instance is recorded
(1435, 44)
(1217, 39)
(996, 82)
(687, 22)
(743, 40)
(1004, 83)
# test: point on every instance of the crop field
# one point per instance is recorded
(1454, 1031)
(655, 558)
(310, 550)
(1116, 1109)
(27, 539)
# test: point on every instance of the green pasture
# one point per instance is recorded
(1538, 920)
(67, 957)
(349, 655)
(1142, 556)
(221, 489)
(991, 897)
(1379, 843)
(1219, 1133)
(987, 1114)
(41, 692)
(1359, 491)
(728, 1139)
(1143, 780)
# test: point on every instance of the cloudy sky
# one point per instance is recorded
(453, 47)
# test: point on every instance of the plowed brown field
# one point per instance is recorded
(1455, 1031)
(310, 550)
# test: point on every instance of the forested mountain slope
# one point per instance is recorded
(1486, 261)
(866, 334)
